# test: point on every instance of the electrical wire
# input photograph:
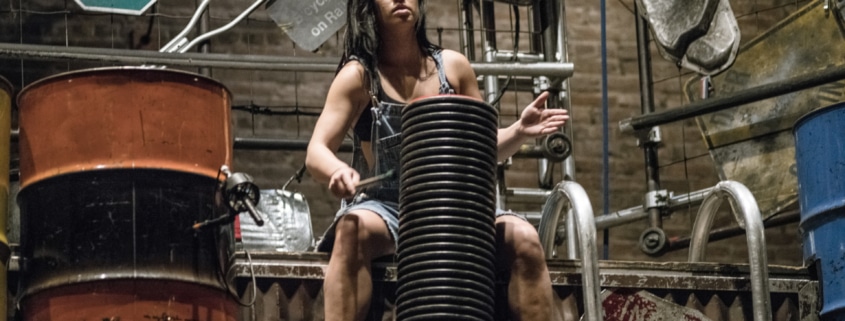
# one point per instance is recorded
(605, 174)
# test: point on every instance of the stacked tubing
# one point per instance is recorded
(447, 207)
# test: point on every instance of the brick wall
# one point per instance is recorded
(685, 164)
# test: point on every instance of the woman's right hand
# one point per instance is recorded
(343, 181)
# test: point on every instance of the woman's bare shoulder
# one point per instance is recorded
(351, 73)
(349, 88)
(451, 57)
(460, 74)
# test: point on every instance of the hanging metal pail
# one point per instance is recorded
(820, 159)
(287, 223)
(116, 165)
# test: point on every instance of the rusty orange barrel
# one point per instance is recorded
(6, 94)
(123, 118)
(116, 165)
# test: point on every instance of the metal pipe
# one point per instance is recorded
(146, 57)
(225, 27)
(467, 39)
(230, 61)
(205, 47)
(552, 49)
(254, 143)
(649, 146)
(728, 232)
(180, 38)
(777, 88)
(490, 82)
(488, 24)
(536, 69)
(520, 56)
(637, 213)
(571, 193)
(747, 214)
(529, 192)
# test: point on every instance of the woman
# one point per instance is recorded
(389, 62)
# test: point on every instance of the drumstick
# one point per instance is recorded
(375, 180)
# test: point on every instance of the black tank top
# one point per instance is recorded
(363, 128)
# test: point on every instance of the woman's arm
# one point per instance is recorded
(535, 120)
(346, 99)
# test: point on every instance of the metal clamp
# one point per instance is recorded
(241, 194)
(653, 136)
(557, 147)
(653, 241)
(541, 84)
(656, 199)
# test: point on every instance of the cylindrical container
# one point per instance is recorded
(6, 93)
(446, 248)
(116, 166)
(820, 160)
(124, 118)
(287, 227)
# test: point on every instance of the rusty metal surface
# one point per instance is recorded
(123, 118)
(289, 287)
(130, 300)
(717, 49)
(121, 225)
(752, 143)
(676, 23)
(627, 305)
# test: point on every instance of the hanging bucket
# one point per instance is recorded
(116, 165)
(819, 155)
(287, 223)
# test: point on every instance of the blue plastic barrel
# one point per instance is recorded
(820, 160)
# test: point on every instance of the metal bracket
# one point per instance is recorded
(653, 136)
(541, 84)
(656, 199)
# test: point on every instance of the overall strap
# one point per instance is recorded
(445, 88)
(373, 91)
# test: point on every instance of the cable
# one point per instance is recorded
(605, 172)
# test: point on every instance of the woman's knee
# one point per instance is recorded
(363, 232)
(524, 243)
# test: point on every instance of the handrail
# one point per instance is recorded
(572, 194)
(747, 214)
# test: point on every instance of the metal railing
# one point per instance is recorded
(747, 215)
(572, 197)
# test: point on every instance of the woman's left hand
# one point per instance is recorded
(537, 120)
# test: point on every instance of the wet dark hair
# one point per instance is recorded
(362, 38)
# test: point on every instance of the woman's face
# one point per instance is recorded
(397, 11)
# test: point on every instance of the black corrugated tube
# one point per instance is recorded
(447, 207)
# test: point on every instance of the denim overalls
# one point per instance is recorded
(386, 138)
(386, 142)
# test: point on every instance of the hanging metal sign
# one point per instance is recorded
(309, 23)
(131, 7)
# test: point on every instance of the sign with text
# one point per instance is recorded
(133, 7)
(309, 23)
